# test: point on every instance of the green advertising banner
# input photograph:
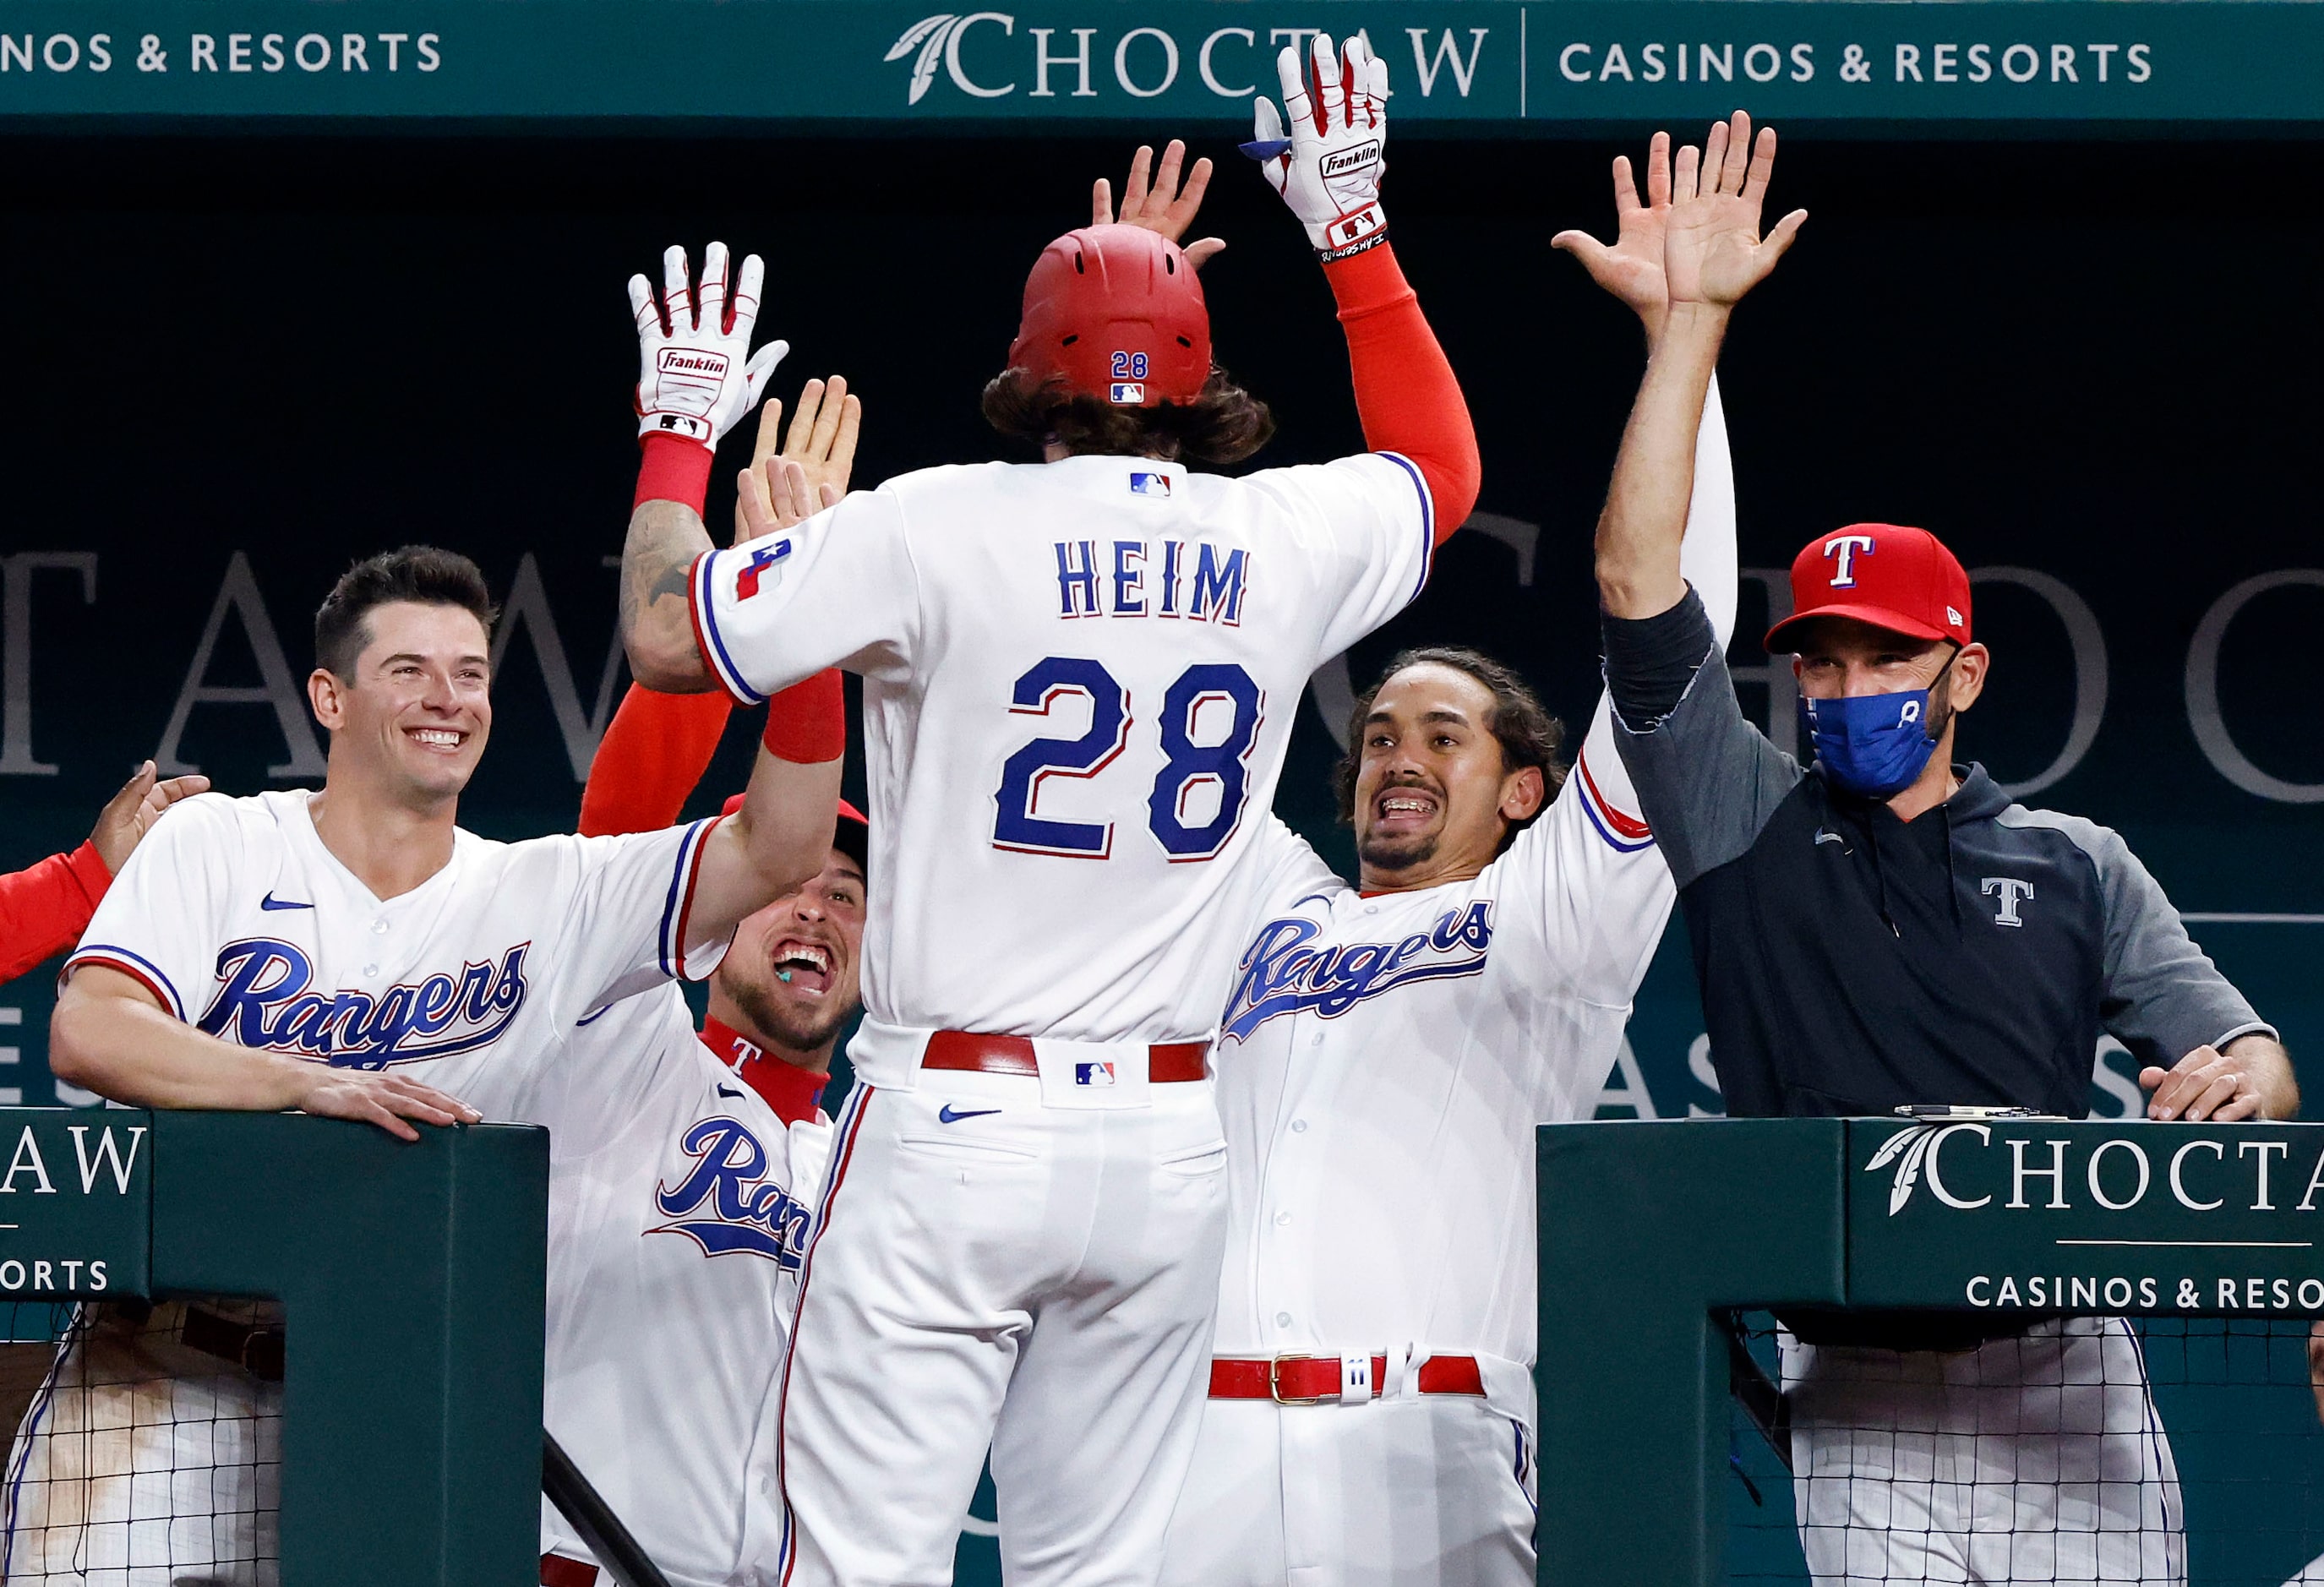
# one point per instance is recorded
(1457, 66)
(76, 1205)
(2042, 1214)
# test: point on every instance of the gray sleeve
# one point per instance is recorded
(1707, 780)
(2162, 996)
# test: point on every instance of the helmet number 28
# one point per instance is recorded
(1129, 367)
(1172, 808)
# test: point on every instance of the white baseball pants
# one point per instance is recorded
(143, 1463)
(2031, 1460)
(987, 1270)
(1436, 1491)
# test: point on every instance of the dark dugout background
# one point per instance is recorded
(2096, 362)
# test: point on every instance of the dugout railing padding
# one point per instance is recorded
(411, 1277)
(1652, 1233)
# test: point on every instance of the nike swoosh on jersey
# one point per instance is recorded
(949, 1114)
(728, 1091)
(1824, 836)
(271, 902)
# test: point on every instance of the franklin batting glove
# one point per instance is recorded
(1328, 165)
(695, 380)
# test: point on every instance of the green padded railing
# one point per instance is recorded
(413, 1277)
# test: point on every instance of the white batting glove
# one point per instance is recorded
(695, 380)
(1328, 166)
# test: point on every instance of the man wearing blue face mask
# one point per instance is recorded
(1884, 928)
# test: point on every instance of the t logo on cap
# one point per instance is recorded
(1845, 547)
(1887, 575)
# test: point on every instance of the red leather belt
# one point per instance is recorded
(556, 1571)
(1013, 1054)
(1315, 1380)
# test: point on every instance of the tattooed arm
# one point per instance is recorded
(657, 620)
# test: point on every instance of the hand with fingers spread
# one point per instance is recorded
(1323, 153)
(386, 1099)
(1632, 267)
(1160, 205)
(1712, 251)
(130, 814)
(696, 374)
(810, 470)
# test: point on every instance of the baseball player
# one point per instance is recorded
(1884, 928)
(44, 907)
(1385, 1053)
(686, 1162)
(1079, 678)
(326, 952)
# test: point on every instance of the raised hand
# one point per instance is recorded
(1161, 205)
(696, 374)
(1322, 153)
(1632, 268)
(1712, 251)
(810, 470)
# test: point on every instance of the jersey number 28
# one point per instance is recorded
(1187, 766)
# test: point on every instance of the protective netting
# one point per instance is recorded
(148, 1443)
(2083, 1450)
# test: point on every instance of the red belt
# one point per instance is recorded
(1313, 1379)
(1013, 1054)
(556, 1571)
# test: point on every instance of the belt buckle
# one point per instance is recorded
(1275, 1384)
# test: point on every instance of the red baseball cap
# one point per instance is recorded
(852, 838)
(1883, 574)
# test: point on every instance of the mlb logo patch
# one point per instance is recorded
(1093, 1073)
(1128, 393)
(1149, 485)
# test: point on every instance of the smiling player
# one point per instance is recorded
(1387, 1051)
(686, 1163)
(351, 953)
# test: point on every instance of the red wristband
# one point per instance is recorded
(807, 723)
(673, 468)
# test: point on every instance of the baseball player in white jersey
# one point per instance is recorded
(1385, 1055)
(686, 1163)
(1079, 677)
(326, 952)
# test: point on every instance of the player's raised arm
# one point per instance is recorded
(1322, 153)
(1713, 255)
(658, 745)
(782, 836)
(696, 378)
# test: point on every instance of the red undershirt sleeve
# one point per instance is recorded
(654, 751)
(44, 909)
(1406, 392)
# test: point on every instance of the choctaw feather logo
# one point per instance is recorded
(1905, 1149)
(929, 36)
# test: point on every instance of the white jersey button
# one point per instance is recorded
(1281, 1219)
(379, 928)
(370, 971)
(1298, 1126)
(1283, 1319)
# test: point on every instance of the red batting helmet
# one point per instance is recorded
(1115, 312)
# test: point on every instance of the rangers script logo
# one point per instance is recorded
(263, 1001)
(726, 1205)
(1281, 974)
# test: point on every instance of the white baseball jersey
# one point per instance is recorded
(1382, 1063)
(1079, 679)
(679, 1212)
(237, 918)
(233, 914)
